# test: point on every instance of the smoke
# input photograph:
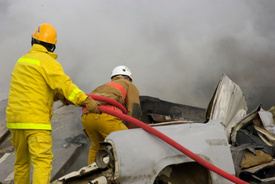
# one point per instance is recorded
(177, 51)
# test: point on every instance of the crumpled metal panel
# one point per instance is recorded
(258, 173)
(75, 174)
(141, 156)
(267, 120)
(265, 127)
(245, 120)
(228, 104)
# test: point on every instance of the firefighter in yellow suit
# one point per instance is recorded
(36, 81)
(99, 126)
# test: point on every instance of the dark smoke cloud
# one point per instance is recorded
(176, 50)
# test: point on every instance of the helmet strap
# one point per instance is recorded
(127, 77)
(50, 47)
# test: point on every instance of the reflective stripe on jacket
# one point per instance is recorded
(120, 88)
(35, 80)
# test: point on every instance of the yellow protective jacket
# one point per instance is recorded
(36, 78)
(131, 102)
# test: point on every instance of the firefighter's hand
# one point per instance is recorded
(91, 105)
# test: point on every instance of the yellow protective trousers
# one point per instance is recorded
(98, 127)
(32, 147)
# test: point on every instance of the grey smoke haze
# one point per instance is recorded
(177, 50)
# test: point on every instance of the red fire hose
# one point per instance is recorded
(109, 101)
(167, 140)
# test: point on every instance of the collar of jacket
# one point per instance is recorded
(117, 77)
(40, 48)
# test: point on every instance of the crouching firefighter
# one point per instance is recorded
(99, 126)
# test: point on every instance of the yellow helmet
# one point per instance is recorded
(45, 33)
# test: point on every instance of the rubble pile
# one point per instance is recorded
(253, 146)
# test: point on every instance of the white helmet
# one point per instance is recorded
(121, 70)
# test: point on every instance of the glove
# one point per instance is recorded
(91, 105)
